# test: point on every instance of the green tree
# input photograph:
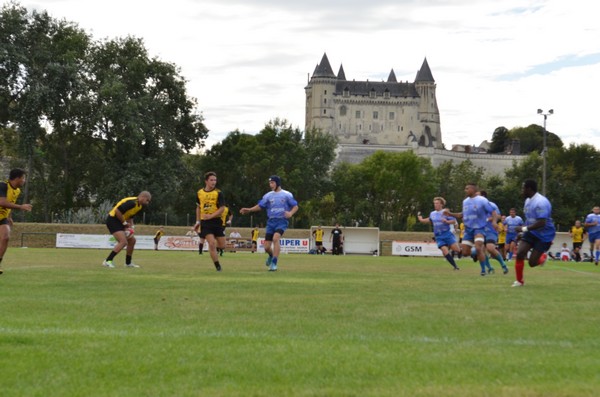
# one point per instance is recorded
(383, 190)
(499, 140)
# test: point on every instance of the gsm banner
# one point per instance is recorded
(415, 248)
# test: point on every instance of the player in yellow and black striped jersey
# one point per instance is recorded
(254, 239)
(120, 220)
(210, 207)
(577, 233)
(9, 193)
(318, 235)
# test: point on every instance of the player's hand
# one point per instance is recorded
(26, 207)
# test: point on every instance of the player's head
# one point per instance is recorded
(438, 203)
(17, 176)
(596, 210)
(529, 188)
(144, 197)
(471, 189)
(512, 212)
(274, 182)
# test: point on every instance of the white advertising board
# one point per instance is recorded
(175, 243)
(415, 248)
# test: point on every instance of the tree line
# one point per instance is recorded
(93, 121)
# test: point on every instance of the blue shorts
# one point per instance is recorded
(510, 237)
(491, 236)
(535, 242)
(275, 225)
(594, 236)
(469, 237)
(445, 239)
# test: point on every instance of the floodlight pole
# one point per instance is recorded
(545, 148)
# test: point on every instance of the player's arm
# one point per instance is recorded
(7, 204)
(454, 214)
(538, 224)
(290, 213)
(245, 211)
(421, 219)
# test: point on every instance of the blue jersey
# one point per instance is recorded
(437, 220)
(511, 223)
(591, 218)
(475, 212)
(277, 203)
(490, 225)
(538, 207)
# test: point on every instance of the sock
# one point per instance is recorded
(217, 265)
(597, 255)
(500, 260)
(127, 259)
(450, 259)
(274, 262)
(0, 260)
(111, 256)
(519, 266)
(510, 253)
(487, 263)
(482, 264)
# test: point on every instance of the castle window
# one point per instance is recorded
(357, 114)
(343, 110)
(369, 127)
(324, 111)
(325, 92)
(325, 100)
(346, 92)
(372, 93)
(375, 115)
(392, 116)
(386, 94)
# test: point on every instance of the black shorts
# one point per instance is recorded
(211, 228)
(4, 221)
(536, 243)
(577, 245)
(114, 225)
(319, 243)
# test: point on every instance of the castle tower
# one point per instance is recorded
(319, 97)
(429, 114)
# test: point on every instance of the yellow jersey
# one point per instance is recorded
(11, 194)
(128, 207)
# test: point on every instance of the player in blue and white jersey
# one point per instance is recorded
(280, 206)
(441, 229)
(491, 238)
(538, 232)
(511, 222)
(475, 217)
(592, 225)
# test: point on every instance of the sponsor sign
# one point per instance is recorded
(415, 248)
(288, 245)
(174, 243)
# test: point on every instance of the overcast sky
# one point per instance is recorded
(247, 62)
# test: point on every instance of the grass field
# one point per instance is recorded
(320, 326)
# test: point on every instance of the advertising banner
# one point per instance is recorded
(415, 248)
(175, 243)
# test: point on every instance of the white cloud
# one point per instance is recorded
(495, 63)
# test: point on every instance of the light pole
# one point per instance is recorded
(545, 149)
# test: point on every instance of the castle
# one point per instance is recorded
(366, 116)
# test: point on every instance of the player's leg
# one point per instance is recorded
(212, 250)
(129, 253)
(4, 238)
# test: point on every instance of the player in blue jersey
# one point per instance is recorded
(491, 238)
(538, 232)
(475, 212)
(592, 225)
(442, 229)
(280, 206)
(511, 222)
